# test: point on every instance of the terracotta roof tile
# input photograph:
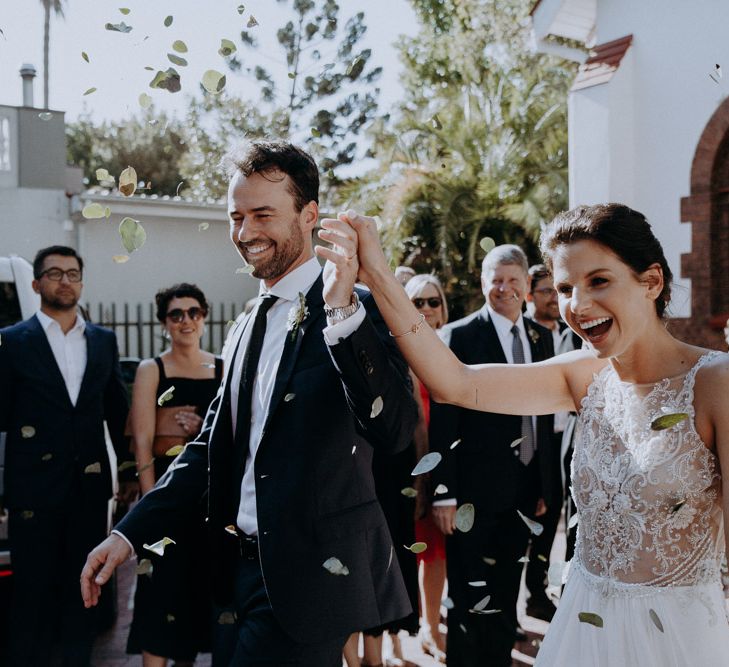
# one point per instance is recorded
(602, 63)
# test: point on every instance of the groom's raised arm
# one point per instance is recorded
(375, 377)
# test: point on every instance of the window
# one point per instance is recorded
(5, 144)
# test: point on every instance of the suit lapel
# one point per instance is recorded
(39, 339)
(495, 352)
(93, 354)
(315, 305)
(535, 341)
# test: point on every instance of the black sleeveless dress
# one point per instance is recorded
(172, 608)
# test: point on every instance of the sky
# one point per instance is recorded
(116, 61)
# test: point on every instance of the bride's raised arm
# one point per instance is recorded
(540, 388)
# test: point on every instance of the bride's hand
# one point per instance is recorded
(340, 271)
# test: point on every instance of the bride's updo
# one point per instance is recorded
(620, 229)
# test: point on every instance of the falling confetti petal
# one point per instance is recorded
(477, 584)
(315, 132)
(203, 226)
(409, 492)
(456, 443)
(334, 566)
(656, 620)
(377, 406)
(516, 442)
(574, 520)
(447, 603)
(132, 234)
(227, 48)
(589, 617)
(175, 451)
(118, 27)
(177, 191)
(244, 269)
(542, 558)
(231, 529)
(159, 547)
(89, 91)
(107, 212)
(168, 80)
(557, 573)
(104, 175)
(93, 211)
(179, 46)
(213, 81)
(440, 490)
(176, 60)
(125, 10)
(145, 567)
(482, 604)
(45, 115)
(535, 527)
(227, 618)
(252, 23)
(128, 181)
(489, 561)
(165, 396)
(168, 21)
(435, 122)
(465, 516)
(427, 463)
(667, 421)
(27, 431)
(487, 244)
(417, 547)
(46, 457)
(241, 8)
(126, 465)
(27, 514)
(92, 468)
(85, 56)
(678, 506)
(523, 559)
(145, 101)
(289, 397)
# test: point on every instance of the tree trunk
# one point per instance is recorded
(46, 40)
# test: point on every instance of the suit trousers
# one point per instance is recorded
(541, 545)
(48, 548)
(256, 639)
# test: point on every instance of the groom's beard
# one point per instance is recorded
(285, 253)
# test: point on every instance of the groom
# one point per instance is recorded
(300, 551)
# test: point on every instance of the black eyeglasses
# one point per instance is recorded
(178, 314)
(546, 291)
(56, 275)
(433, 302)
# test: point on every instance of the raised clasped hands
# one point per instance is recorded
(355, 255)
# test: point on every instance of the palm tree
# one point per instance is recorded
(57, 7)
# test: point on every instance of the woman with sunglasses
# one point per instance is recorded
(171, 610)
(427, 295)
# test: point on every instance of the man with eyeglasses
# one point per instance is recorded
(59, 381)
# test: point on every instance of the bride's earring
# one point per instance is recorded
(166, 334)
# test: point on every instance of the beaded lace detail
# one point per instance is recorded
(649, 501)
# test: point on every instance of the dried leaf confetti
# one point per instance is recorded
(159, 547)
(46, 457)
(409, 492)
(166, 396)
(118, 27)
(427, 463)
(487, 244)
(335, 566)
(175, 451)
(516, 442)
(455, 444)
(477, 584)
(241, 9)
(227, 48)
(227, 618)
(252, 23)
(417, 547)
(440, 490)
(93, 211)
(128, 181)
(248, 268)
(120, 259)
(132, 234)
(377, 406)
(465, 516)
(213, 81)
(45, 115)
(203, 226)
(168, 21)
(85, 56)
(177, 60)
(92, 468)
(89, 91)
(534, 527)
(125, 465)
(667, 421)
(655, 619)
(145, 567)
(27, 431)
(591, 618)
(447, 603)
(574, 520)
(179, 46)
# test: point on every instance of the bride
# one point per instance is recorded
(644, 587)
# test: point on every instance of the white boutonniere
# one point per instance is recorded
(298, 313)
(533, 334)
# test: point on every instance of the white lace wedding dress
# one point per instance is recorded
(650, 535)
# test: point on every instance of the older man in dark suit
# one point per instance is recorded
(300, 548)
(59, 381)
(499, 463)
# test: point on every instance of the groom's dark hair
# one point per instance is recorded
(268, 157)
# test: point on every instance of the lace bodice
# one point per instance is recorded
(649, 501)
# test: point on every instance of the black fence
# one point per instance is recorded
(139, 334)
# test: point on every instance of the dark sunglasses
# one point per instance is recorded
(433, 302)
(178, 314)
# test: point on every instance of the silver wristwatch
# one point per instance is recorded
(343, 312)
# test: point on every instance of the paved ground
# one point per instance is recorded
(110, 647)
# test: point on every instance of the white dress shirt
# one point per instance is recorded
(287, 290)
(69, 350)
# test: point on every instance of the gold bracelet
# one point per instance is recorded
(413, 329)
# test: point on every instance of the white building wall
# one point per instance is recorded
(671, 97)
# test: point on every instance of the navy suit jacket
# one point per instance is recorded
(63, 453)
(483, 468)
(314, 487)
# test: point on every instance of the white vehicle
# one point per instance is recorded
(18, 301)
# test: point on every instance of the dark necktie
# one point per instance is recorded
(527, 446)
(250, 368)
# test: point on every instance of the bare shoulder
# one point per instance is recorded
(147, 371)
(579, 368)
(712, 379)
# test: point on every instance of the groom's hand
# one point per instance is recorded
(340, 271)
(445, 518)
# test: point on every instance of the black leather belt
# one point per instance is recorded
(248, 545)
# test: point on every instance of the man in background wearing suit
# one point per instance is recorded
(499, 463)
(59, 380)
(300, 550)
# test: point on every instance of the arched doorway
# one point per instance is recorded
(707, 209)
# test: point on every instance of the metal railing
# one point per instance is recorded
(139, 334)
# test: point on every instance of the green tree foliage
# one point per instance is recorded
(151, 142)
(329, 94)
(479, 147)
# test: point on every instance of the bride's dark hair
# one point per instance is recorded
(619, 228)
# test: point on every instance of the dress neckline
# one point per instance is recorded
(671, 378)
